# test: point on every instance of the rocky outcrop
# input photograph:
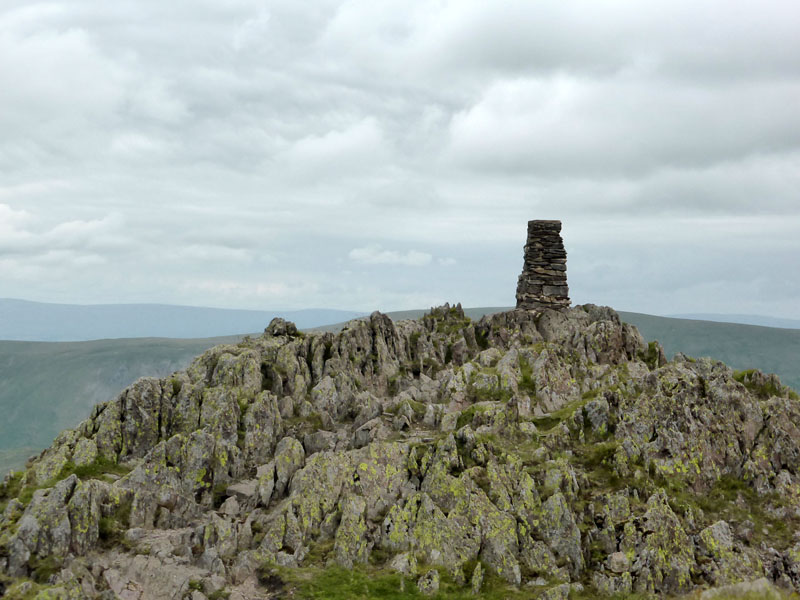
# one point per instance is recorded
(554, 451)
(543, 282)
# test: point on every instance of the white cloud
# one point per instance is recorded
(620, 125)
(23, 233)
(374, 254)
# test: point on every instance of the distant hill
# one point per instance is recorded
(47, 386)
(743, 319)
(36, 321)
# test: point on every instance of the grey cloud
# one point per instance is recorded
(374, 254)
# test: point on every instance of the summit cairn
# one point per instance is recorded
(543, 281)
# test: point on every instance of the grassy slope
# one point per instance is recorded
(34, 321)
(48, 386)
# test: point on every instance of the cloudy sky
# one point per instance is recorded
(384, 154)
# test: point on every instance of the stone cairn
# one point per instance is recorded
(543, 282)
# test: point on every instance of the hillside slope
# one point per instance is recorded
(548, 455)
(36, 321)
(47, 387)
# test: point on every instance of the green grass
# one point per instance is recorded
(548, 422)
(112, 528)
(526, 382)
(650, 357)
(95, 470)
(10, 489)
(364, 583)
(42, 569)
(763, 391)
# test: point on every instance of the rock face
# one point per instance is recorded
(549, 450)
(543, 282)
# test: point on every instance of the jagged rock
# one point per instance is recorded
(612, 584)
(319, 441)
(404, 563)
(289, 457)
(230, 507)
(351, 546)
(665, 562)
(618, 563)
(730, 564)
(597, 414)
(558, 527)
(245, 492)
(428, 584)
(280, 326)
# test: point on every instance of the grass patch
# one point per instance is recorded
(764, 390)
(413, 340)
(364, 583)
(111, 529)
(650, 356)
(319, 550)
(95, 470)
(42, 569)
(468, 415)
(10, 488)
(310, 423)
(597, 460)
(548, 422)
(526, 382)
(218, 494)
(177, 385)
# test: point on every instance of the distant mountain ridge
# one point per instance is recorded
(23, 320)
(760, 320)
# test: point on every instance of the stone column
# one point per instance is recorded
(543, 282)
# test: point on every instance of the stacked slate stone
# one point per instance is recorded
(543, 282)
